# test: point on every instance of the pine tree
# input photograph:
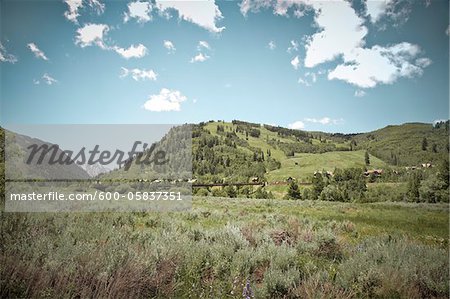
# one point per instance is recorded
(367, 158)
(294, 191)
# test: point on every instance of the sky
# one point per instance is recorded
(335, 66)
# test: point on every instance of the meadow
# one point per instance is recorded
(231, 248)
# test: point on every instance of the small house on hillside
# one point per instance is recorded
(376, 172)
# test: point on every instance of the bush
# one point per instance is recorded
(201, 192)
(432, 190)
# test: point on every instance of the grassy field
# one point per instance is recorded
(307, 164)
(224, 248)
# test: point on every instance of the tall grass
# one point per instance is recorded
(217, 250)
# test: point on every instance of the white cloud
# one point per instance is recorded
(169, 46)
(359, 93)
(375, 9)
(367, 67)
(397, 12)
(75, 5)
(133, 51)
(200, 57)
(47, 79)
(139, 74)
(295, 62)
(202, 13)
(423, 62)
(272, 45)
(297, 125)
(341, 34)
(342, 31)
(166, 100)
(92, 34)
(194, 101)
(72, 14)
(5, 56)
(203, 44)
(253, 6)
(138, 10)
(38, 53)
(324, 121)
(293, 47)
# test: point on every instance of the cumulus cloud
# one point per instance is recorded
(205, 14)
(341, 31)
(254, 6)
(200, 57)
(297, 125)
(295, 62)
(367, 67)
(46, 79)
(397, 12)
(139, 11)
(272, 45)
(341, 34)
(375, 9)
(95, 35)
(359, 93)
(133, 51)
(75, 5)
(36, 51)
(5, 56)
(169, 46)
(139, 74)
(92, 34)
(166, 100)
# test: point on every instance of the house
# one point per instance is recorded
(427, 165)
(376, 172)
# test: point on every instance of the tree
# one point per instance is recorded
(367, 158)
(318, 185)
(434, 148)
(294, 191)
(443, 172)
(230, 191)
(413, 186)
(424, 144)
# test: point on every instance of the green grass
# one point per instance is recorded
(280, 248)
(309, 163)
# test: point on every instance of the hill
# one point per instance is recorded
(237, 150)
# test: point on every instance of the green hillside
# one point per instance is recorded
(299, 154)
(403, 144)
(303, 165)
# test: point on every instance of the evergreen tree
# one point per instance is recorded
(413, 187)
(294, 191)
(443, 172)
(318, 185)
(367, 158)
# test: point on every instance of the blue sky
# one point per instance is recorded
(333, 66)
